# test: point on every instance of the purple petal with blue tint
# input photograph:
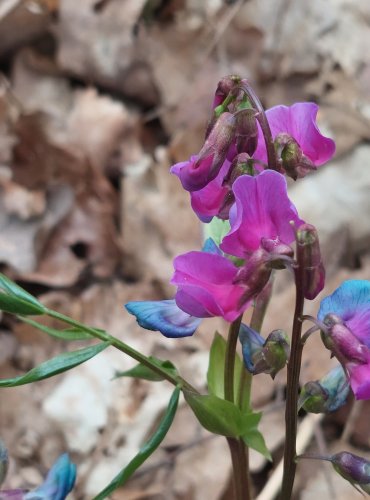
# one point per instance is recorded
(351, 302)
(163, 316)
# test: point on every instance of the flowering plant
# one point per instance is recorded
(238, 188)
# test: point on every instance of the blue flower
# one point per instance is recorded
(164, 316)
(58, 483)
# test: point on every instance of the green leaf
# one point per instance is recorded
(216, 230)
(215, 373)
(144, 372)
(215, 414)
(146, 450)
(16, 300)
(252, 436)
(56, 365)
(66, 334)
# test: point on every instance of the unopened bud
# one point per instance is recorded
(274, 355)
(239, 166)
(246, 131)
(218, 142)
(254, 275)
(353, 468)
(327, 394)
(309, 257)
(223, 97)
(224, 87)
(252, 343)
(294, 162)
(264, 356)
(345, 346)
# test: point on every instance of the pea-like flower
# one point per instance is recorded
(346, 316)
(294, 127)
(262, 211)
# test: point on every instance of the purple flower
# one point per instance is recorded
(163, 316)
(196, 173)
(351, 303)
(262, 211)
(207, 202)
(299, 122)
(206, 286)
(346, 315)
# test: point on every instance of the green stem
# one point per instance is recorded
(294, 367)
(232, 340)
(121, 346)
(237, 447)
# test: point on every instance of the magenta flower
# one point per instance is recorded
(206, 286)
(196, 173)
(346, 316)
(262, 211)
(299, 122)
(207, 202)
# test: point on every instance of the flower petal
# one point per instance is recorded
(207, 202)
(58, 483)
(206, 286)
(351, 302)
(262, 210)
(299, 121)
(163, 316)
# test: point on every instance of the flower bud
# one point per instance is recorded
(223, 97)
(353, 468)
(254, 275)
(344, 345)
(325, 395)
(246, 131)
(239, 166)
(252, 343)
(294, 162)
(264, 356)
(224, 87)
(309, 257)
(274, 355)
(218, 143)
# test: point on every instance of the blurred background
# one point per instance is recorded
(97, 99)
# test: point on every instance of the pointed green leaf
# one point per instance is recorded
(56, 365)
(15, 299)
(144, 372)
(215, 373)
(216, 229)
(146, 450)
(252, 436)
(66, 334)
(215, 414)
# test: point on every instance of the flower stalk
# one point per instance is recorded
(237, 447)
